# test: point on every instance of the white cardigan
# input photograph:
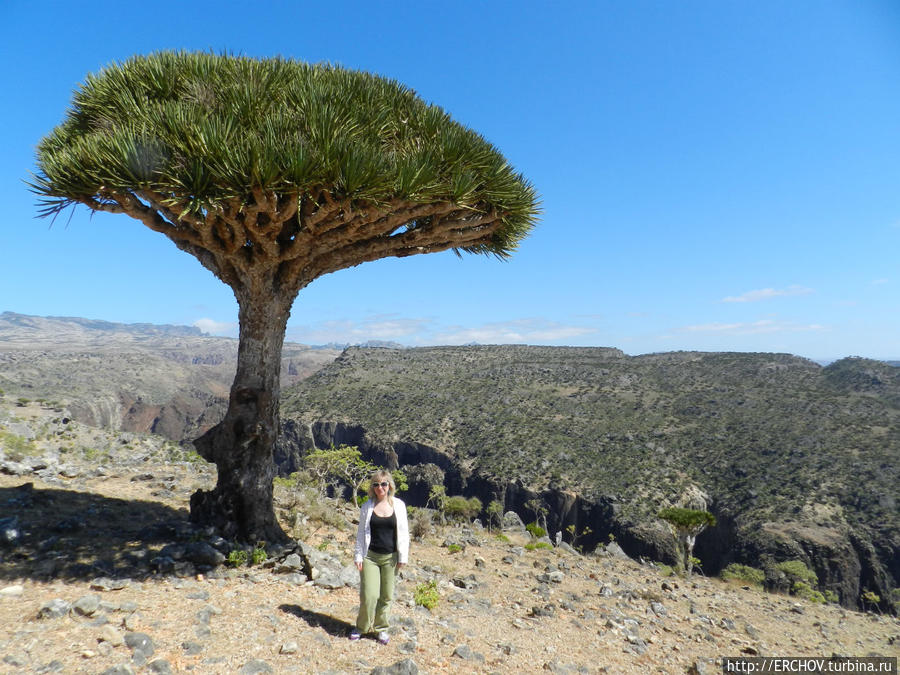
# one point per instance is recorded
(364, 533)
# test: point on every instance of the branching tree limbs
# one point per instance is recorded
(273, 173)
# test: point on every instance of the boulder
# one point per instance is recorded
(513, 523)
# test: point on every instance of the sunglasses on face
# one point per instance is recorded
(383, 484)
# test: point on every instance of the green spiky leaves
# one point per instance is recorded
(200, 130)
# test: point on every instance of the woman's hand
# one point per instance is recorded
(359, 566)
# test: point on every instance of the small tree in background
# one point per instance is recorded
(539, 509)
(437, 499)
(343, 467)
(494, 513)
(272, 173)
(460, 509)
(686, 524)
(338, 468)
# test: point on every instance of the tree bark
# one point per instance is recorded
(241, 506)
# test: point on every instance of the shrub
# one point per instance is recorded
(536, 530)
(871, 598)
(236, 558)
(259, 555)
(804, 590)
(538, 545)
(744, 573)
(454, 548)
(426, 595)
(17, 447)
(460, 508)
(665, 570)
(576, 535)
(420, 524)
(796, 570)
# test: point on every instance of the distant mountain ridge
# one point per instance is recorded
(170, 380)
(41, 325)
(796, 461)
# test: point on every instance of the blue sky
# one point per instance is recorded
(717, 175)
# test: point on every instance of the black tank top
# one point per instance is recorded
(384, 533)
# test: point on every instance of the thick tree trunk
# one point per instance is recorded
(242, 446)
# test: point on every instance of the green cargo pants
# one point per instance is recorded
(376, 591)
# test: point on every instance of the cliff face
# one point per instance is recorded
(797, 462)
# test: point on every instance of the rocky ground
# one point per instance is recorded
(101, 572)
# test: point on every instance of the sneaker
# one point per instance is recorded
(355, 634)
(383, 638)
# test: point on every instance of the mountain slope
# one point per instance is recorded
(796, 460)
(171, 380)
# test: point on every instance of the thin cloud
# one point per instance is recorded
(398, 329)
(768, 293)
(213, 327)
(753, 327)
(529, 331)
(880, 282)
(423, 331)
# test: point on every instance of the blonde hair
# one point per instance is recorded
(379, 476)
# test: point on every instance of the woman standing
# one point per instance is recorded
(382, 547)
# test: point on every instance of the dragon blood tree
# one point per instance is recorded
(273, 172)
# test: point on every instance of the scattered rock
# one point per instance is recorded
(637, 642)
(16, 660)
(293, 563)
(546, 610)
(112, 635)
(160, 666)
(405, 667)
(556, 577)
(140, 644)
(14, 591)
(55, 609)
(14, 468)
(107, 584)
(121, 669)
(703, 667)
(255, 667)
(86, 605)
(468, 582)
(465, 652)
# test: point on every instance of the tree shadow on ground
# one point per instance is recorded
(64, 534)
(331, 625)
